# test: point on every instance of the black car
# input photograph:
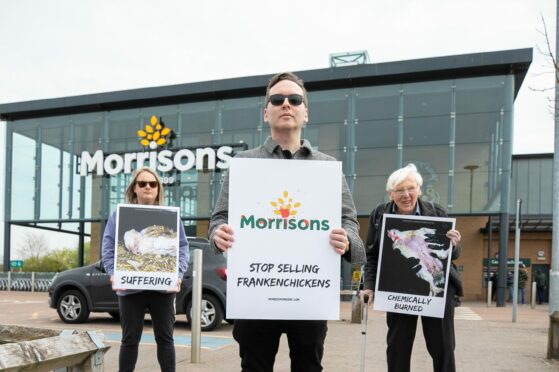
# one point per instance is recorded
(77, 292)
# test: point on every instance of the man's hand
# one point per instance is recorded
(454, 236)
(223, 237)
(339, 241)
(367, 292)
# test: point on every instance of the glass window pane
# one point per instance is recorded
(23, 175)
(88, 133)
(117, 189)
(326, 137)
(326, 107)
(478, 128)
(426, 131)
(81, 185)
(479, 153)
(122, 136)
(427, 99)
(240, 114)
(377, 103)
(49, 190)
(375, 161)
(472, 176)
(196, 140)
(251, 138)
(377, 133)
(368, 192)
(198, 121)
(478, 95)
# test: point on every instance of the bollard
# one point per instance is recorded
(196, 307)
(553, 339)
(533, 295)
(9, 280)
(33, 281)
(356, 309)
(489, 293)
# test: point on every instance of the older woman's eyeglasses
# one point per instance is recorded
(142, 184)
(402, 192)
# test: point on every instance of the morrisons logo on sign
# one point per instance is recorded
(285, 210)
(153, 136)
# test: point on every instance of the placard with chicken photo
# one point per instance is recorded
(414, 264)
(147, 245)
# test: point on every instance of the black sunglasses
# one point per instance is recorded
(279, 99)
(142, 184)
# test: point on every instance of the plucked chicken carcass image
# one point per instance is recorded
(151, 249)
(413, 244)
(151, 240)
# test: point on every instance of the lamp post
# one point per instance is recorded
(553, 344)
(471, 168)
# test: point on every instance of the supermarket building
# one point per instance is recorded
(69, 160)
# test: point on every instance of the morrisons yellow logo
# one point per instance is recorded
(154, 133)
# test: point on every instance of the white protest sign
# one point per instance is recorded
(414, 264)
(146, 247)
(281, 265)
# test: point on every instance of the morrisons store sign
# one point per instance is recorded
(153, 136)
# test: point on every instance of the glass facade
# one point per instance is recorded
(457, 131)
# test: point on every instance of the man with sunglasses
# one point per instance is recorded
(286, 112)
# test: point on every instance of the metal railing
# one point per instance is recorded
(25, 281)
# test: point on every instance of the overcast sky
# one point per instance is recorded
(59, 48)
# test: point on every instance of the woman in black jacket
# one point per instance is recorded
(404, 188)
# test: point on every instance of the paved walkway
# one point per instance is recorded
(487, 339)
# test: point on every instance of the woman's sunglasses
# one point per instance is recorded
(279, 99)
(142, 184)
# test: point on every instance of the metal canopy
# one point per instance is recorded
(534, 223)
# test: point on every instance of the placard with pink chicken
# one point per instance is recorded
(414, 264)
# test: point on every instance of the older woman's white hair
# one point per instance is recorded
(399, 175)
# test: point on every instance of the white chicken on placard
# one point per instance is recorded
(156, 240)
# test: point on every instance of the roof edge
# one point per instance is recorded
(515, 61)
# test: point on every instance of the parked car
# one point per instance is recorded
(77, 292)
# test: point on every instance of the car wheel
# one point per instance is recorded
(115, 315)
(212, 313)
(72, 307)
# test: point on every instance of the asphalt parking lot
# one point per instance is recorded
(487, 340)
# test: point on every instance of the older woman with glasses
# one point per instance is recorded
(146, 189)
(404, 189)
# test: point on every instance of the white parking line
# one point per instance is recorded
(17, 302)
(465, 313)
